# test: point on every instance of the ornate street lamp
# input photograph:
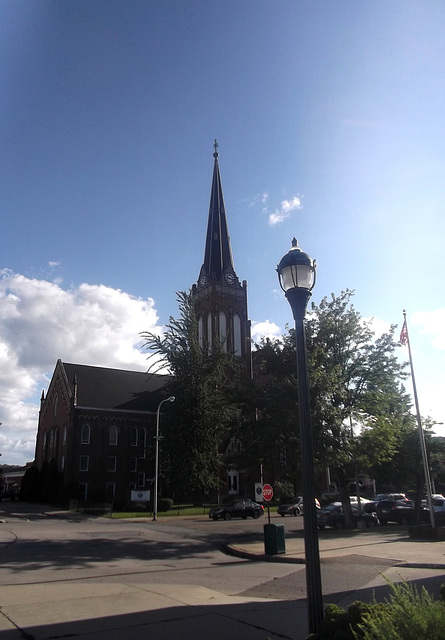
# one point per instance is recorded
(296, 274)
(157, 438)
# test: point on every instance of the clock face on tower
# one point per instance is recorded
(203, 281)
(229, 278)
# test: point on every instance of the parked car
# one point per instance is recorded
(332, 516)
(354, 501)
(370, 506)
(399, 511)
(438, 501)
(237, 509)
(294, 508)
(438, 504)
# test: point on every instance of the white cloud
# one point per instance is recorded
(39, 323)
(287, 207)
(265, 329)
(432, 324)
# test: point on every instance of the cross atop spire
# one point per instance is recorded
(215, 146)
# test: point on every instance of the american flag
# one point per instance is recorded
(404, 334)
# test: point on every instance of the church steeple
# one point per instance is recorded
(219, 297)
(218, 260)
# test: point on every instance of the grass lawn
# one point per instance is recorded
(176, 510)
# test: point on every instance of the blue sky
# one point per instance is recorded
(330, 121)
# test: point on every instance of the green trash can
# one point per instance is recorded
(274, 542)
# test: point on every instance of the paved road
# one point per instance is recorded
(93, 578)
(41, 548)
(96, 578)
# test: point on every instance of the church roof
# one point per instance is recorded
(103, 388)
(218, 252)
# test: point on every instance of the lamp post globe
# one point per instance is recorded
(157, 438)
(296, 274)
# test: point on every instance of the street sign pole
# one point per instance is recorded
(267, 495)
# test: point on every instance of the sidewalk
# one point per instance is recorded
(393, 545)
(388, 554)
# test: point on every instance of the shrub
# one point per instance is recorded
(165, 504)
(405, 615)
(339, 624)
(30, 485)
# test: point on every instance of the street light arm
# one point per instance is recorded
(155, 496)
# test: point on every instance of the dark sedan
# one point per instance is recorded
(332, 516)
(399, 511)
(371, 505)
(237, 509)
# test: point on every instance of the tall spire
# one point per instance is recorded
(218, 259)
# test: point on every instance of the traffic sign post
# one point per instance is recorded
(267, 495)
(273, 533)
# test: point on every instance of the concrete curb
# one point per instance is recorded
(231, 550)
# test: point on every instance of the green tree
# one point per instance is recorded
(269, 429)
(196, 424)
(358, 403)
(358, 400)
(405, 469)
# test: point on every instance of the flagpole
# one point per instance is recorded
(404, 335)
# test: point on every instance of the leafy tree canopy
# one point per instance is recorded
(358, 403)
(358, 399)
(197, 423)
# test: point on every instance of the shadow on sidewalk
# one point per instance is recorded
(278, 620)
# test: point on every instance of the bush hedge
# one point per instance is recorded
(406, 615)
(165, 504)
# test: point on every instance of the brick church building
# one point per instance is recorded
(97, 425)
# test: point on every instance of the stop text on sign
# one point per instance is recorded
(267, 492)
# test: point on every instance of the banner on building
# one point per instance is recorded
(140, 496)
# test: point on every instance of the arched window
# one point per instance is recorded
(237, 344)
(56, 403)
(209, 331)
(142, 442)
(85, 434)
(134, 437)
(223, 329)
(112, 435)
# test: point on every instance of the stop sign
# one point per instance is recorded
(267, 492)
